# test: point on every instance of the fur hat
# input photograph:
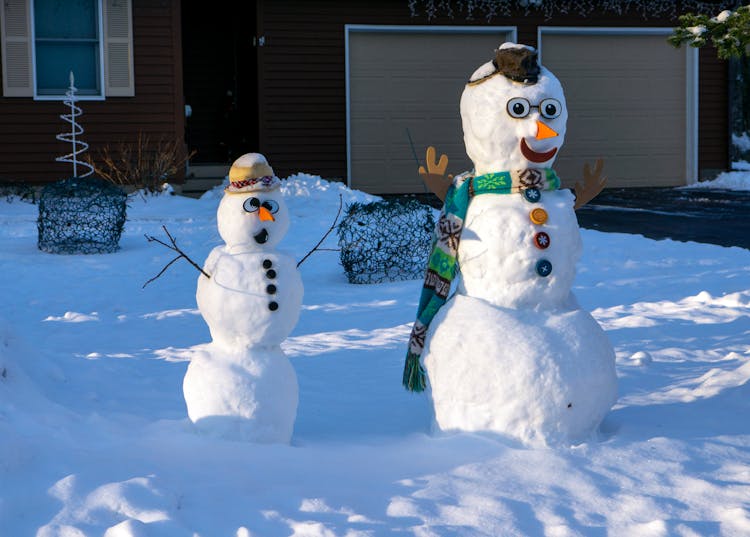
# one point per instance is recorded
(251, 173)
(517, 62)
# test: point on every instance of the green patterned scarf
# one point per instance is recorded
(441, 266)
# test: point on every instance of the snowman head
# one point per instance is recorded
(252, 214)
(513, 113)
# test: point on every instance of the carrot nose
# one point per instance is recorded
(543, 131)
(265, 215)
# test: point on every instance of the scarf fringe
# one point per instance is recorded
(415, 379)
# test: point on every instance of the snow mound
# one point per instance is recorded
(735, 180)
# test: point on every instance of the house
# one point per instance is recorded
(344, 89)
(127, 62)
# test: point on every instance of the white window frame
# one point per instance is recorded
(101, 96)
(405, 29)
(691, 76)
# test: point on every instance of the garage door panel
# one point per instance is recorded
(627, 103)
(409, 80)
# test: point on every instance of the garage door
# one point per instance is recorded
(400, 80)
(629, 102)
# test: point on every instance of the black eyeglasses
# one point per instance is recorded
(519, 108)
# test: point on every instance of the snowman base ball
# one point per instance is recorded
(246, 394)
(542, 377)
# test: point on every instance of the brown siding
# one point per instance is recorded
(27, 128)
(302, 86)
(713, 114)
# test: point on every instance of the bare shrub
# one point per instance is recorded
(141, 164)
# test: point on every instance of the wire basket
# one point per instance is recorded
(81, 216)
(386, 240)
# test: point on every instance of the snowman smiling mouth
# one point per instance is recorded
(262, 237)
(535, 156)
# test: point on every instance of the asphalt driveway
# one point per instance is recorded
(712, 216)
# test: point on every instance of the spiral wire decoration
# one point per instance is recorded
(78, 146)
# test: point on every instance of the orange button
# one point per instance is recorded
(538, 216)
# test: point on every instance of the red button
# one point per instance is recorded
(541, 240)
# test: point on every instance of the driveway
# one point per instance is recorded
(712, 216)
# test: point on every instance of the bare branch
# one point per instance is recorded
(333, 225)
(162, 271)
(174, 248)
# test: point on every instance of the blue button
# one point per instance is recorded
(532, 194)
(543, 268)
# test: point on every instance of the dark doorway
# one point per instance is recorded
(219, 71)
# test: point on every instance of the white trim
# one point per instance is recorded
(601, 30)
(691, 120)
(367, 28)
(408, 29)
(62, 97)
(691, 75)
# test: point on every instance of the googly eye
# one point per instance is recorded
(251, 205)
(518, 107)
(550, 108)
(271, 205)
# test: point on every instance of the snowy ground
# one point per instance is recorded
(94, 439)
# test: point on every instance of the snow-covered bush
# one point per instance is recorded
(729, 32)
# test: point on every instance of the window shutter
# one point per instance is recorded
(15, 23)
(118, 48)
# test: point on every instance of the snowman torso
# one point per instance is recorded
(252, 298)
(502, 250)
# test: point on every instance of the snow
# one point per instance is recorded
(739, 177)
(741, 141)
(734, 180)
(96, 439)
(250, 160)
(724, 15)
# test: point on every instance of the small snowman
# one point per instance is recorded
(511, 351)
(242, 386)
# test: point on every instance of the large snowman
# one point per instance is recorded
(242, 386)
(511, 351)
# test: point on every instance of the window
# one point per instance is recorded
(67, 39)
(42, 41)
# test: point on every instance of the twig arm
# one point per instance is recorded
(161, 272)
(174, 248)
(333, 225)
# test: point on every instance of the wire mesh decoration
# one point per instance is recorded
(77, 145)
(81, 216)
(385, 240)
